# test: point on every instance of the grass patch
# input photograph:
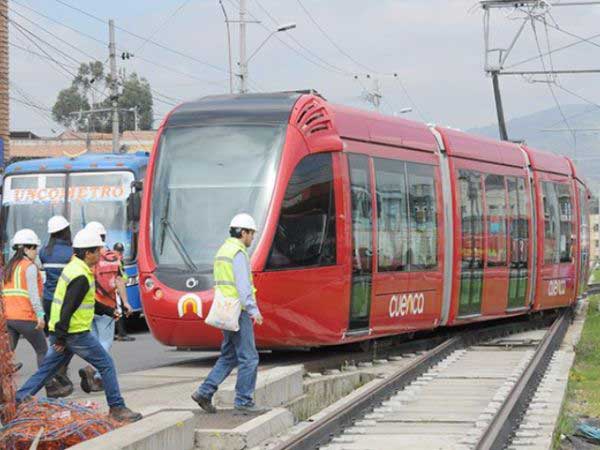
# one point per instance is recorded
(595, 276)
(583, 390)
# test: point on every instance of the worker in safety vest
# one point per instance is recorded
(71, 319)
(22, 302)
(110, 279)
(233, 278)
(54, 257)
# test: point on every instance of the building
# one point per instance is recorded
(4, 102)
(26, 145)
(594, 238)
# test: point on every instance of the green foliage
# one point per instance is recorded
(90, 89)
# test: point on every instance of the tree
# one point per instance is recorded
(90, 89)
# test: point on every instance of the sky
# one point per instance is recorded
(340, 48)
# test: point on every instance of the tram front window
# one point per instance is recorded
(203, 177)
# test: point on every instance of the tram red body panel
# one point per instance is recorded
(399, 227)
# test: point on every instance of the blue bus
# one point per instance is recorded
(91, 187)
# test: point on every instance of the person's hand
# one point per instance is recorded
(257, 319)
(116, 315)
(41, 323)
(59, 348)
(128, 309)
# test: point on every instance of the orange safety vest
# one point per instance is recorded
(106, 272)
(17, 305)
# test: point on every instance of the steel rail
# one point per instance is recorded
(500, 430)
(321, 432)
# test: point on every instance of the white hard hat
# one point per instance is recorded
(26, 237)
(87, 239)
(57, 223)
(96, 227)
(243, 221)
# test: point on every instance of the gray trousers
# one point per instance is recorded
(26, 328)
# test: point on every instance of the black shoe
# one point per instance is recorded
(87, 379)
(251, 409)
(125, 338)
(63, 380)
(124, 414)
(204, 403)
(55, 390)
(17, 366)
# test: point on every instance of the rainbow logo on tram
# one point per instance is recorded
(187, 302)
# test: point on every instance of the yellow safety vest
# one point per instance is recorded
(82, 318)
(223, 268)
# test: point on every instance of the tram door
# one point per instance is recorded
(519, 242)
(362, 242)
(471, 211)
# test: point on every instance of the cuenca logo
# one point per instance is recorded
(401, 305)
(557, 287)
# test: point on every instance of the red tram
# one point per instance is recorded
(368, 225)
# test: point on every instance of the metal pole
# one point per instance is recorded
(499, 109)
(243, 62)
(136, 119)
(228, 46)
(113, 86)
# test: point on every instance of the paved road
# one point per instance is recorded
(143, 353)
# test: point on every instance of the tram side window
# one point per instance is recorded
(392, 215)
(551, 224)
(305, 235)
(565, 209)
(422, 216)
(495, 198)
(471, 212)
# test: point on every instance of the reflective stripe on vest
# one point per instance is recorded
(223, 268)
(17, 303)
(82, 318)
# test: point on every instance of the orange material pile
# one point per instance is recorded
(64, 424)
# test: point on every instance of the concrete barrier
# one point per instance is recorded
(167, 430)
(274, 387)
(246, 435)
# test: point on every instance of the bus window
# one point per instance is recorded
(392, 215)
(423, 216)
(305, 235)
(495, 199)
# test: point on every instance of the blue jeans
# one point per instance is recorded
(103, 329)
(237, 349)
(86, 347)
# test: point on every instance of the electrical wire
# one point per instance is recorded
(161, 26)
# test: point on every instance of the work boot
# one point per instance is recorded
(124, 338)
(250, 409)
(87, 378)
(123, 414)
(62, 376)
(204, 403)
(56, 390)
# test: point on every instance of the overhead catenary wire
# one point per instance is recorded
(161, 26)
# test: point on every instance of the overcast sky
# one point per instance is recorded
(435, 46)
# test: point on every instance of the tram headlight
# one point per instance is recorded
(158, 294)
(149, 284)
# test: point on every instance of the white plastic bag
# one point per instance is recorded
(224, 312)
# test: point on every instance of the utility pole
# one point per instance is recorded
(114, 88)
(499, 108)
(243, 62)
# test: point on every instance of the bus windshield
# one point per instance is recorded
(30, 200)
(203, 177)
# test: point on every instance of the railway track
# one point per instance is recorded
(468, 392)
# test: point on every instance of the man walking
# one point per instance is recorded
(71, 319)
(108, 274)
(233, 278)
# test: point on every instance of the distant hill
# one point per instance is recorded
(529, 128)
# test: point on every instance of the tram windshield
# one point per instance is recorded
(203, 177)
(30, 200)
